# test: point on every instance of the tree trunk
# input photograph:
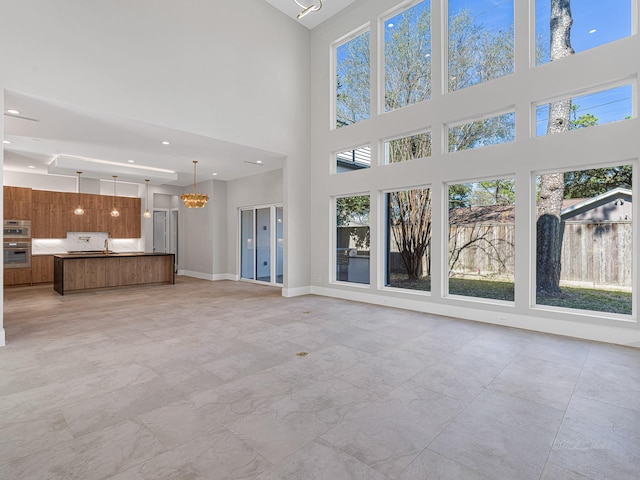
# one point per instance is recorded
(548, 225)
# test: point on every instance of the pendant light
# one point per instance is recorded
(194, 200)
(147, 213)
(79, 210)
(114, 211)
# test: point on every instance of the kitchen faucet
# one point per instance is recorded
(106, 245)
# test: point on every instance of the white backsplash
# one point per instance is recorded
(84, 241)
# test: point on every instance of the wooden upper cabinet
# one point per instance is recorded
(52, 214)
(17, 203)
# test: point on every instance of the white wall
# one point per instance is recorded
(608, 143)
(202, 241)
(232, 70)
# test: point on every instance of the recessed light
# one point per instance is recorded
(13, 112)
(131, 161)
(214, 174)
(31, 166)
(259, 161)
(166, 143)
(6, 141)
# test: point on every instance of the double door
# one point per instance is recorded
(262, 244)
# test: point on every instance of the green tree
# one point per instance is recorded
(596, 181)
(495, 192)
(353, 212)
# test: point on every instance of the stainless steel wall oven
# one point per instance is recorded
(17, 229)
(17, 254)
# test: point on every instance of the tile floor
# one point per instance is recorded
(201, 381)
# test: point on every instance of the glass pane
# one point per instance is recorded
(408, 148)
(353, 81)
(594, 24)
(407, 39)
(589, 110)
(480, 41)
(263, 244)
(409, 239)
(279, 245)
(159, 231)
(584, 247)
(353, 239)
(247, 247)
(481, 133)
(482, 239)
(355, 159)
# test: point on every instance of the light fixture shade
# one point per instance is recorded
(147, 213)
(79, 210)
(114, 211)
(194, 200)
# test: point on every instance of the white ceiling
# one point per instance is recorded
(85, 139)
(313, 19)
(51, 137)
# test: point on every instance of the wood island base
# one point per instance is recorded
(72, 273)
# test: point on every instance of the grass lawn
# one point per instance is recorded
(572, 297)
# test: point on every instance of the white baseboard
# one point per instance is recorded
(628, 336)
(207, 276)
(2, 338)
(296, 292)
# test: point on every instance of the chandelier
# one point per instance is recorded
(311, 8)
(194, 200)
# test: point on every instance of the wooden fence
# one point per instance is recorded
(592, 253)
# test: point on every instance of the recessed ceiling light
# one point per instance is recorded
(13, 112)
(131, 161)
(31, 166)
(6, 141)
(166, 143)
(214, 174)
(259, 161)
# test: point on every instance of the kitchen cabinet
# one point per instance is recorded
(17, 276)
(42, 269)
(51, 213)
(91, 271)
(17, 203)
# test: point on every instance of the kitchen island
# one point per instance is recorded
(90, 271)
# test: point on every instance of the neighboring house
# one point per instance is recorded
(612, 206)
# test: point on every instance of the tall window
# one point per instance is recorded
(352, 239)
(409, 239)
(594, 24)
(481, 41)
(585, 239)
(482, 239)
(407, 37)
(353, 80)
